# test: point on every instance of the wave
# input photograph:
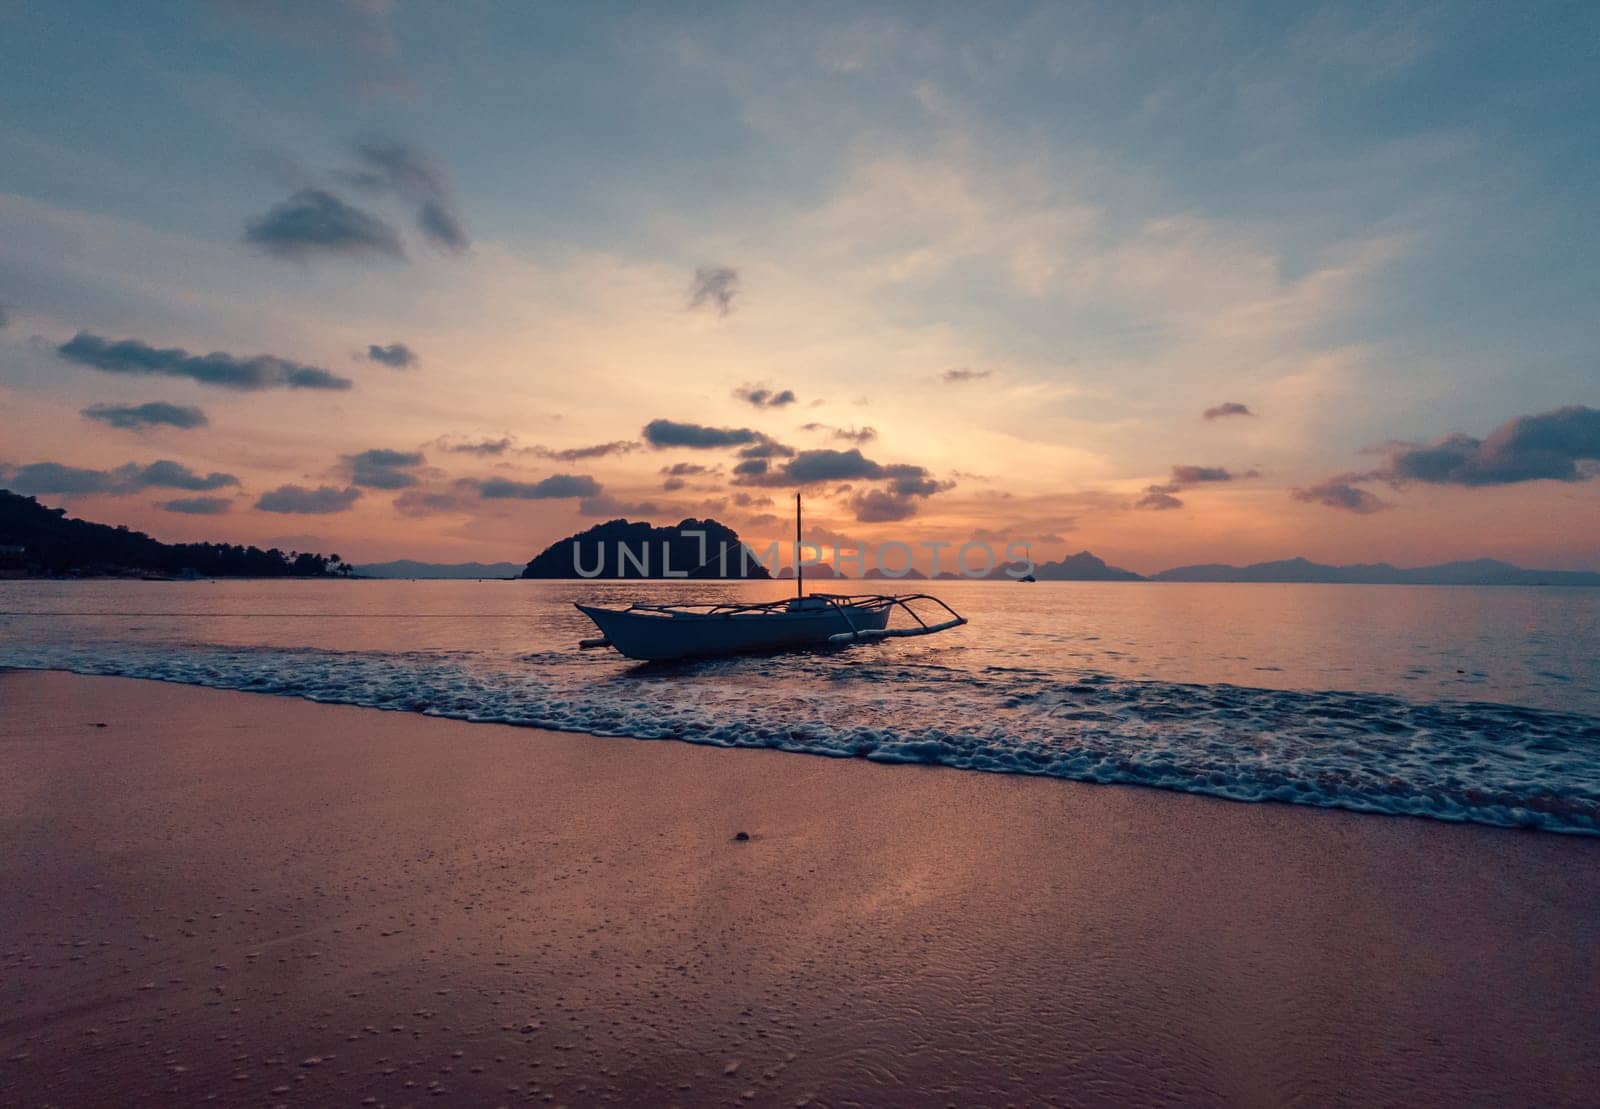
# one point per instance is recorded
(1486, 763)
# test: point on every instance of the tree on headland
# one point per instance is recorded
(54, 543)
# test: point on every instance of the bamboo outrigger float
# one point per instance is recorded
(659, 632)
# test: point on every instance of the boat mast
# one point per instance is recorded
(799, 567)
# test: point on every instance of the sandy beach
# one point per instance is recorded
(236, 898)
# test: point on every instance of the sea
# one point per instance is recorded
(1476, 704)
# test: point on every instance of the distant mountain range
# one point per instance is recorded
(1481, 571)
(407, 568)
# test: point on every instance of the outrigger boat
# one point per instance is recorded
(660, 632)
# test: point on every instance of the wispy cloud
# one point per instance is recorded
(1226, 409)
(555, 487)
(226, 371)
(962, 374)
(139, 416)
(411, 173)
(714, 287)
(315, 222)
(764, 396)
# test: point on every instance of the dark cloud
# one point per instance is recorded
(686, 469)
(1337, 492)
(300, 501)
(848, 434)
(714, 287)
(227, 371)
(314, 221)
(1560, 445)
(767, 448)
(673, 484)
(397, 355)
(52, 477)
(166, 474)
(878, 506)
(383, 469)
(199, 506)
(481, 446)
(411, 173)
(1196, 475)
(578, 454)
(670, 433)
(555, 487)
(1550, 446)
(153, 414)
(763, 396)
(961, 374)
(460, 497)
(1158, 498)
(1227, 408)
(603, 504)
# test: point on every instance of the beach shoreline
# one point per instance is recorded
(254, 898)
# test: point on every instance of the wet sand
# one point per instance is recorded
(245, 899)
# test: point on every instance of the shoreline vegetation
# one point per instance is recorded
(38, 542)
(526, 916)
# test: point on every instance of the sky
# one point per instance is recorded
(1166, 283)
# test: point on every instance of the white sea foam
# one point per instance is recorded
(1449, 760)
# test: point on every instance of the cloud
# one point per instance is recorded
(686, 469)
(767, 448)
(1550, 446)
(578, 454)
(460, 497)
(199, 506)
(1227, 408)
(137, 416)
(314, 221)
(763, 396)
(670, 433)
(383, 469)
(714, 287)
(1158, 499)
(555, 487)
(410, 172)
(962, 374)
(397, 355)
(300, 501)
(1195, 475)
(1560, 445)
(1337, 492)
(895, 500)
(5, 316)
(848, 434)
(480, 446)
(878, 506)
(226, 371)
(604, 504)
(53, 477)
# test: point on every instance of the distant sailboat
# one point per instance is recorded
(658, 632)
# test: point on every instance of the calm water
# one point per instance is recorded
(1457, 703)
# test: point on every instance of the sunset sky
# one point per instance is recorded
(452, 281)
